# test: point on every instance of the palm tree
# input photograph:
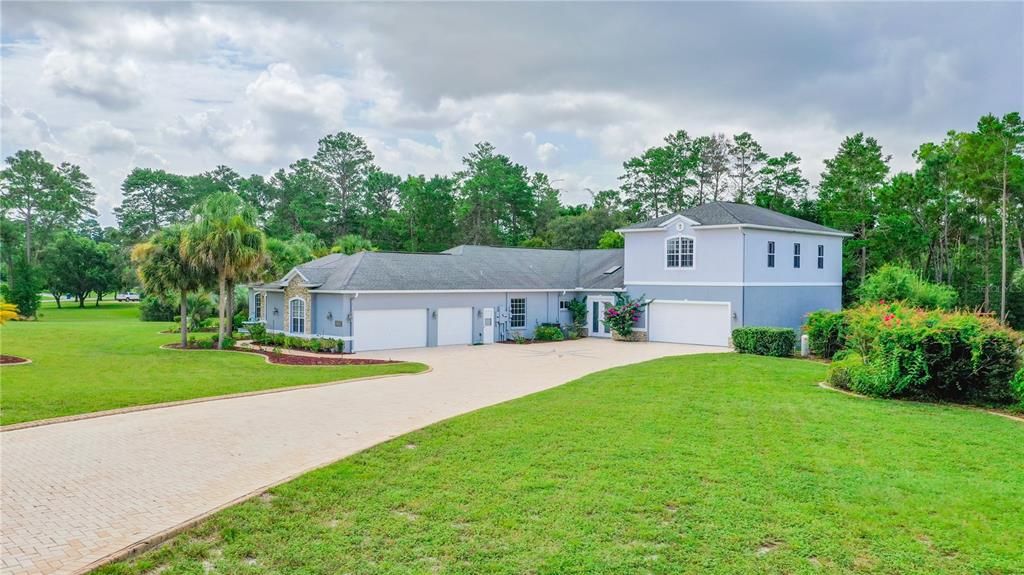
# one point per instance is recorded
(163, 270)
(224, 237)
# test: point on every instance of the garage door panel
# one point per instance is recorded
(389, 329)
(454, 326)
(690, 322)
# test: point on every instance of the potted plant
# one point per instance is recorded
(620, 318)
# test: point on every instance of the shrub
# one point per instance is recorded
(23, 292)
(839, 371)
(578, 311)
(1017, 385)
(895, 283)
(620, 317)
(258, 332)
(313, 345)
(548, 333)
(238, 319)
(911, 352)
(229, 342)
(773, 341)
(293, 342)
(155, 309)
(825, 331)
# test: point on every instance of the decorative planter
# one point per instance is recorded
(635, 336)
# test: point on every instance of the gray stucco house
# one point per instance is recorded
(708, 270)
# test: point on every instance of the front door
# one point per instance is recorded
(596, 306)
(488, 317)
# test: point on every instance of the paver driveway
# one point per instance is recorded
(74, 493)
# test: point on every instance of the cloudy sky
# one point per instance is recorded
(568, 89)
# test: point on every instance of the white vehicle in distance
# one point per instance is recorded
(127, 296)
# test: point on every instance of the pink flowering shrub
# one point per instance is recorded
(621, 317)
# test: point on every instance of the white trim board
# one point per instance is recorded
(509, 290)
(748, 226)
(736, 284)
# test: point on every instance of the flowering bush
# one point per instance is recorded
(904, 351)
(621, 316)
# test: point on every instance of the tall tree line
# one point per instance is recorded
(956, 218)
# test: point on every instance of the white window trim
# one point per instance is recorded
(821, 256)
(260, 301)
(798, 259)
(291, 317)
(664, 255)
(771, 252)
(511, 315)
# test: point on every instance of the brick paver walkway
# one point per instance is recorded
(74, 493)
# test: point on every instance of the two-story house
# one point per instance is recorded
(705, 270)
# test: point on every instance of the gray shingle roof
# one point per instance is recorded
(467, 267)
(728, 213)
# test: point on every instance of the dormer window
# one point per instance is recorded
(679, 252)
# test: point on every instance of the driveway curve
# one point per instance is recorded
(76, 494)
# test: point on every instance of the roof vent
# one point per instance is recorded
(612, 270)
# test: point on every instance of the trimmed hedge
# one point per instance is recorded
(826, 332)
(773, 341)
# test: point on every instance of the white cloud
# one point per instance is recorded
(113, 85)
(102, 137)
(255, 85)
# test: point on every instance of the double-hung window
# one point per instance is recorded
(821, 256)
(257, 307)
(517, 312)
(297, 310)
(771, 254)
(679, 252)
(796, 255)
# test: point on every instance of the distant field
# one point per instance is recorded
(97, 358)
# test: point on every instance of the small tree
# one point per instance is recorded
(621, 316)
(25, 292)
(578, 312)
(165, 271)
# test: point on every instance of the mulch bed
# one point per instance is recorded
(288, 359)
(530, 341)
(11, 360)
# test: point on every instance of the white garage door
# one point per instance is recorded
(389, 329)
(701, 323)
(454, 326)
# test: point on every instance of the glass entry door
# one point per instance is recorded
(596, 306)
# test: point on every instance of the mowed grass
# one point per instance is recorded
(719, 464)
(93, 359)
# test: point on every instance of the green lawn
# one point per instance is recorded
(92, 359)
(701, 464)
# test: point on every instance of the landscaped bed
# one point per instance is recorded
(294, 359)
(95, 359)
(712, 464)
(12, 360)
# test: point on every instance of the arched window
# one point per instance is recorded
(679, 252)
(297, 315)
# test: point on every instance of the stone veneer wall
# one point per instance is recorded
(294, 290)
